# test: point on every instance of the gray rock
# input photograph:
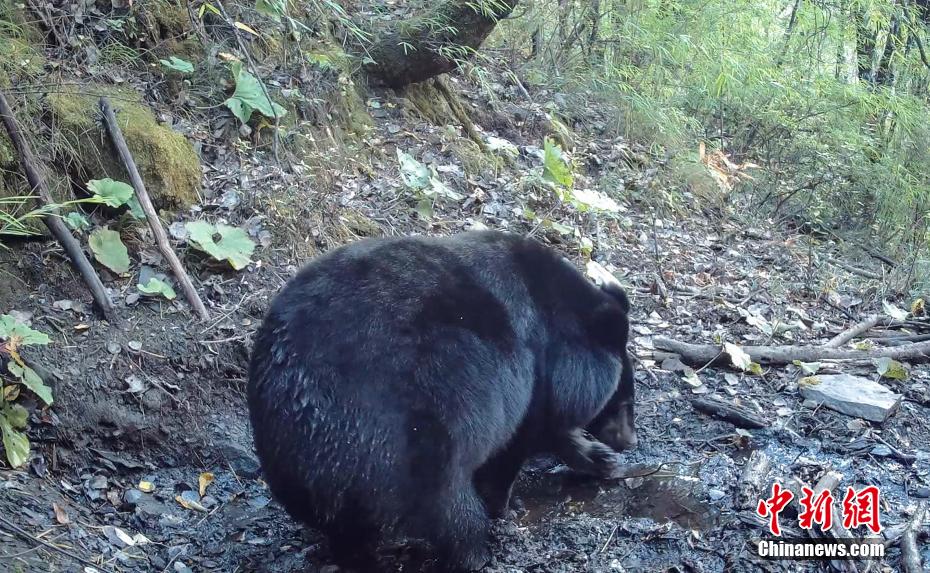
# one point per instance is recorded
(132, 496)
(851, 395)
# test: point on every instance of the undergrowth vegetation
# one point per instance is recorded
(830, 100)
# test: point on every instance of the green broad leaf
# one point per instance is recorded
(274, 9)
(588, 199)
(437, 187)
(222, 242)
(109, 250)
(176, 64)
(561, 229)
(556, 168)
(16, 415)
(156, 286)
(15, 443)
(807, 367)
(321, 60)
(414, 174)
(249, 96)
(738, 356)
(77, 221)
(691, 377)
(502, 145)
(135, 208)
(28, 378)
(890, 368)
(424, 208)
(110, 192)
(10, 328)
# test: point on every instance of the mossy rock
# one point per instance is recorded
(164, 26)
(167, 162)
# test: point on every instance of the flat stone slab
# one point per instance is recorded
(851, 395)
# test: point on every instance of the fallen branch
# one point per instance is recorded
(739, 416)
(161, 238)
(910, 552)
(855, 270)
(53, 222)
(51, 546)
(700, 354)
(854, 331)
(876, 255)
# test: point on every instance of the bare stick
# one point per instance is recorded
(739, 416)
(699, 354)
(855, 270)
(26, 535)
(109, 118)
(54, 223)
(857, 329)
(910, 554)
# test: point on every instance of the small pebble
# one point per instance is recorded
(715, 494)
(922, 491)
(132, 496)
(113, 347)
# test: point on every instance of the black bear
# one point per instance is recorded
(397, 385)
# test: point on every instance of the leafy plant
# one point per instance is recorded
(77, 221)
(222, 242)
(556, 167)
(116, 194)
(157, 287)
(109, 250)
(15, 218)
(13, 417)
(425, 182)
(179, 65)
(250, 96)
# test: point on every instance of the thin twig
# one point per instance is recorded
(25, 534)
(53, 222)
(161, 238)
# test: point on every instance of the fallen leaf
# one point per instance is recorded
(890, 368)
(187, 502)
(205, 479)
(60, 515)
(893, 311)
(738, 356)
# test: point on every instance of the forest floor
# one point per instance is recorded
(157, 396)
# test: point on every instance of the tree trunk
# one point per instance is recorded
(434, 42)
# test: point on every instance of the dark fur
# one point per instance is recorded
(397, 385)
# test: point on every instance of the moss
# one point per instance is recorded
(21, 62)
(474, 160)
(163, 28)
(166, 160)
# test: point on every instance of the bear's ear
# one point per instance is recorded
(615, 291)
(609, 326)
(608, 284)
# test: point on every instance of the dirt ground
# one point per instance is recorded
(158, 397)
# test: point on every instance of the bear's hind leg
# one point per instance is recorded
(353, 542)
(494, 480)
(459, 530)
